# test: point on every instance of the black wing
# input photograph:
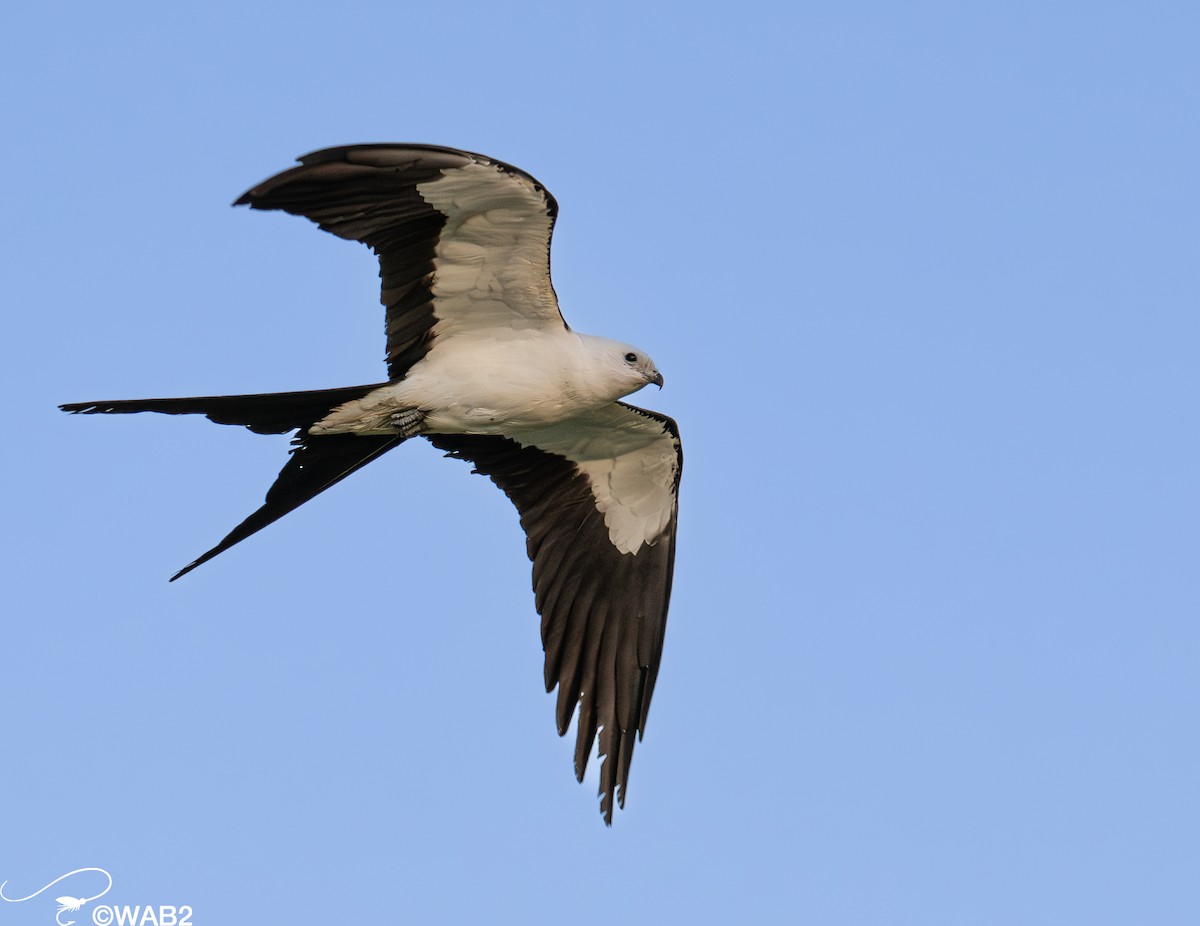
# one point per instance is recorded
(463, 240)
(604, 611)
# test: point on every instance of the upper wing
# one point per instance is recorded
(598, 499)
(463, 240)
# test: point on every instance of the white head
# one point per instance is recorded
(620, 368)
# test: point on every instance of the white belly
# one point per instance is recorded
(529, 380)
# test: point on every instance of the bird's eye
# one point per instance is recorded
(631, 357)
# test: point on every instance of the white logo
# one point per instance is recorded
(66, 903)
(109, 914)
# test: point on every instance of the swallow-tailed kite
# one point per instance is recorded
(483, 365)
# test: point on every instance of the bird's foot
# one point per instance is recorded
(408, 423)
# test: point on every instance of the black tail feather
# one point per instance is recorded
(265, 413)
(316, 463)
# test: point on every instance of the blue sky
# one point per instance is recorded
(922, 280)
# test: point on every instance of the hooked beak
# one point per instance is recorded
(656, 379)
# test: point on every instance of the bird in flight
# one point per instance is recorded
(482, 364)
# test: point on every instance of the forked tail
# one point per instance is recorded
(316, 461)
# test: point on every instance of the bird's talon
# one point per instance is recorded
(408, 423)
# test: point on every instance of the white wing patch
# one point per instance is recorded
(630, 461)
(492, 258)
(634, 492)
